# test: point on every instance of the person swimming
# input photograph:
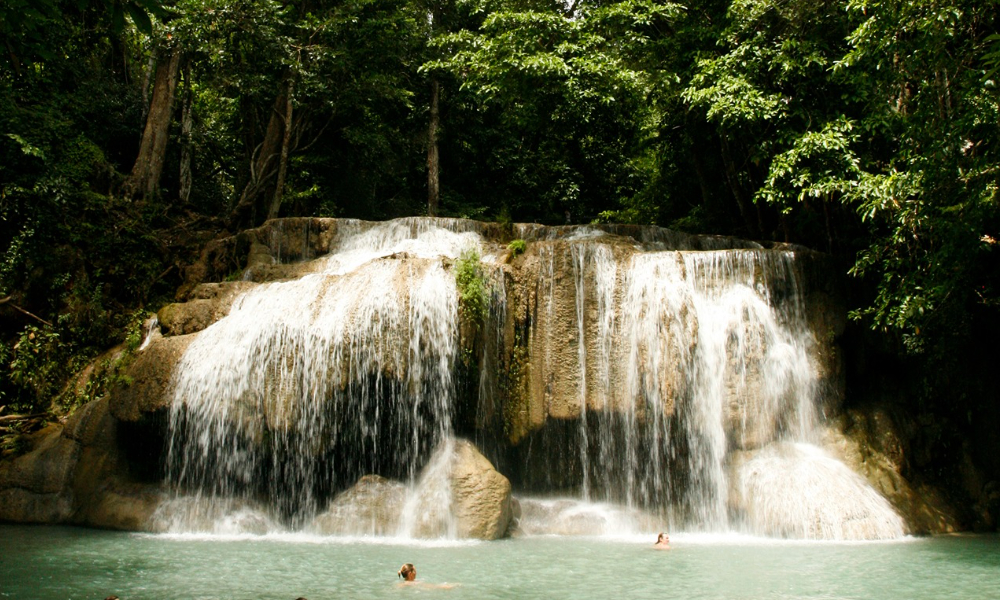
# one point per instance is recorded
(409, 574)
(662, 542)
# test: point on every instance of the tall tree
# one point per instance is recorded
(286, 141)
(433, 160)
(144, 180)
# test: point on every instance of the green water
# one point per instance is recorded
(43, 563)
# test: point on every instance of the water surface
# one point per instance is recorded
(49, 563)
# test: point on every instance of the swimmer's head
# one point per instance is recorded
(408, 572)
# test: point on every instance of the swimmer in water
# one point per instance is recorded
(409, 574)
(662, 542)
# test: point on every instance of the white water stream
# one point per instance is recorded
(340, 373)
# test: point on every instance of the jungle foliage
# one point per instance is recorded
(867, 129)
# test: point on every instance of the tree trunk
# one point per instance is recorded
(150, 65)
(286, 140)
(12, 56)
(145, 177)
(263, 164)
(829, 225)
(184, 193)
(732, 177)
(433, 163)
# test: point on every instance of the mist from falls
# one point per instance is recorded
(678, 387)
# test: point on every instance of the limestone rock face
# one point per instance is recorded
(872, 445)
(74, 474)
(800, 491)
(594, 346)
(24, 506)
(34, 488)
(587, 312)
(150, 374)
(371, 507)
(46, 469)
(106, 496)
(264, 248)
(208, 303)
(585, 329)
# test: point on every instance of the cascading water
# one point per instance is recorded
(661, 380)
(309, 384)
(686, 363)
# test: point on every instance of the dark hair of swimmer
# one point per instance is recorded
(408, 572)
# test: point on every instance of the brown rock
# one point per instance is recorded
(44, 470)
(22, 506)
(209, 303)
(35, 487)
(103, 494)
(150, 379)
(459, 493)
(371, 507)
(126, 508)
(870, 446)
(91, 425)
(481, 495)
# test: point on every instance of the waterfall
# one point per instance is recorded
(696, 329)
(306, 385)
(684, 364)
(640, 375)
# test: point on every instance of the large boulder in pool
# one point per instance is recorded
(481, 495)
(460, 495)
(372, 506)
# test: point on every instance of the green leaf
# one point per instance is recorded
(139, 18)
